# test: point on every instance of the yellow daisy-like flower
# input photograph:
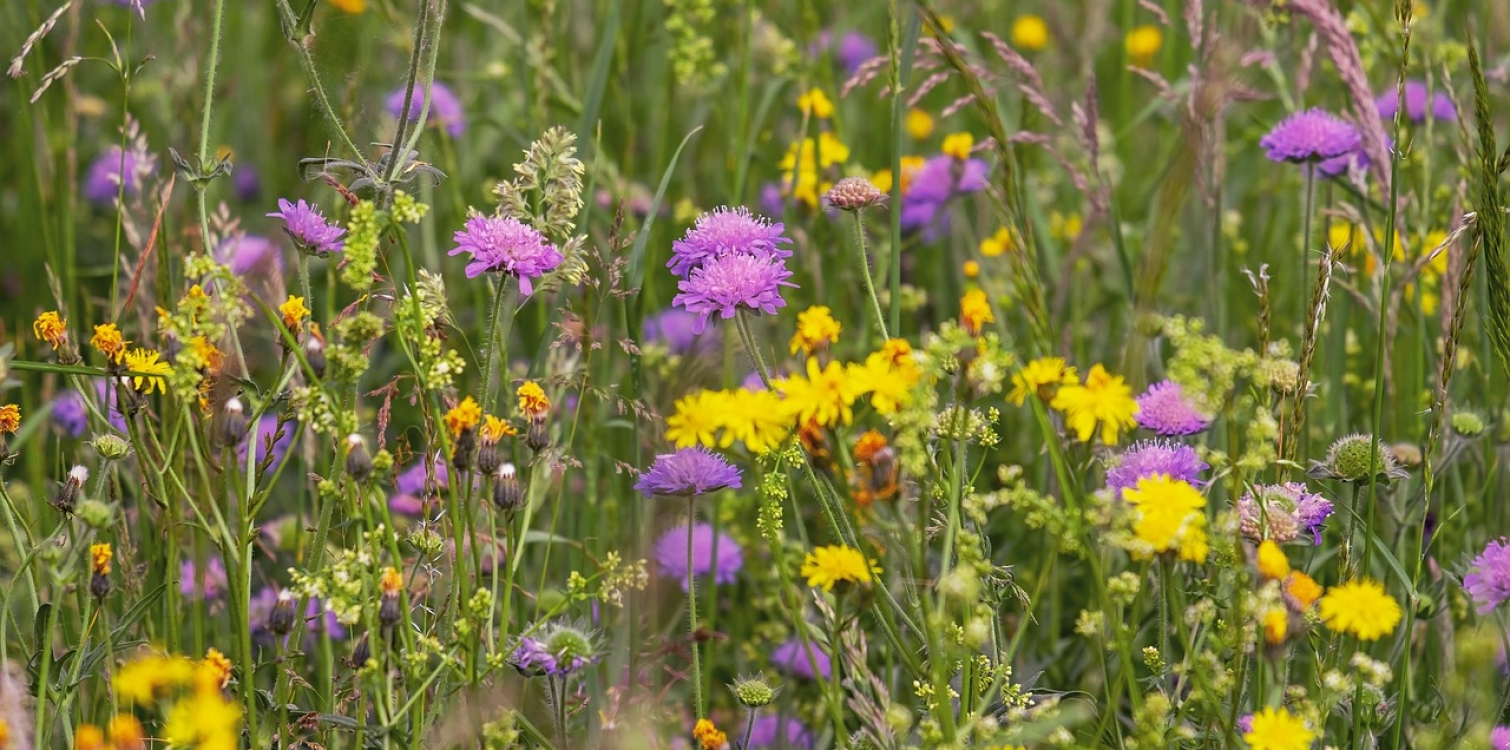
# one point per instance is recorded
(698, 418)
(919, 124)
(816, 329)
(888, 377)
(143, 680)
(1302, 588)
(219, 666)
(391, 582)
(208, 353)
(1039, 376)
(825, 396)
(1278, 729)
(1103, 401)
(971, 269)
(89, 737)
(1170, 518)
(1360, 608)
(294, 312)
(882, 179)
(495, 429)
(803, 161)
(1272, 563)
(1276, 626)
(464, 416)
(107, 340)
(756, 418)
(127, 733)
(708, 736)
(814, 101)
(51, 328)
(997, 244)
(825, 567)
(99, 558)
(350, 7)
(204, 720)
(958, 145)
(1143, 43)
(975, 311)
(532, 399)
(149, 370)
(1030, 32)
(10, 419)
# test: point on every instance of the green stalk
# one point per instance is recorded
(870, 287)
(697, 672)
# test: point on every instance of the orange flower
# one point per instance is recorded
(532, 399)
(51, 328)
(10, 419)
(107, 340)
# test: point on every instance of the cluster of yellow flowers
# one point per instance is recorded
(1102, 404)
(196, 713)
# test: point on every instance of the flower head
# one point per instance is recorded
(709, 737)
(1164, 409)
(975, 311)
(464, 416)
(1149, 457)
(1038, 377)
(249, 255)
(1143, 43)
(816, 330)
(557, 649)
(1350, 458)
(721, 564)
(1272, 563)
(1499, 738)
(219, 665)
(505, 245)
(107, 340)
(445, 108)
(853, 194)
(672, 327)
(1282, 512)
(1310, 136)
(1029, 32)
(1417, 106)
(1301, 590)
(1278, 729)
(824, 396)
(148, 371)
(1170, 517)
(838, 564)
(688, 472)
(100, 555)
(728, 283)
(772, 731)
(308, 227)
(805, 660)
(126, 733)
(532, 399)
(1488, 580)
(888, 377)
(1360, 608)
(495, 429)
(698, 418)
(727, 231)
(293, 311)
(934, 184)
(10, 419)
(206, 583)
(816, 103)
(1103, 401)
(103, 183)
(51, 328)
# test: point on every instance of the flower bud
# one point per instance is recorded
(358, 460)
(111, 447)
(753, 692)
(314, 351)
(853, 194)
(508, 495)
(95, 514)
(488, 459)
(461, 452)
(538, 436)
(281, 620)
(361, 653)
(67, 496)
(233, 422)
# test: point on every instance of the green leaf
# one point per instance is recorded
(1490, 225)
(137, 611)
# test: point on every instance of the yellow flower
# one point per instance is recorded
(294, 312)
(1038, 376)
(51, 328)
(464, 416)
(126, 733)
(219, 667)
(1360, 608)
(204, 720)
(1278, 729)
(10, 419)
(708, 736)
(1276, 626)
(143, 680)
(1303, 588)
(804, 160)
(997, 244)
(391, 582)
(1029, 32)
(1065, 228)
(826, 566)
(532, 399)
(816, 329)
(698, 417)
(495, 429)
(888, 379)
(919, 124)
(972, 269)
(756, 418)
(352, 7)
(99, 558)
(910, 165)
(958, 145)
(1170, 517)
(107, 340)
(89, 737)
(1104, 400)
(209, 354)
(149, 370)
(1272, 563)
(814, 101)
(975, 311)
(1143, 43)
(824, 396)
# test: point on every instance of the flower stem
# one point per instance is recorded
(697, 672)
(870, 286)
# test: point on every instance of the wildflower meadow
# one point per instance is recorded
(717, 374)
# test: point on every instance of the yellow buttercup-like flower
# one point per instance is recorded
(219, 667)
(1143, 43)
(975, 311)
(756, 418)
(1302, 588)
(89, 737)
(919, 124)
(1104, 401)
(1278, 729)
(888, 379)
(825, 396)
(148, 370)
(294, 312)
(803, 162)
(464, 416)
(1276, 624)
(1360, 608)
(1170, 518)
(1272, 563)
(971, 269)
(958, 145)
(882, 179)
(1029, 32)
(495, 429)
(814, 101)
(816, 329)
(1038, 377)
(697, 419)
(99, 558)
(997, 244)
(144, 680)
(825, 567)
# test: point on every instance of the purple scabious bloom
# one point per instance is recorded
(445, 108)
(506, 245)
(415, 480)
(727, 231)
(1488, 579)
(853, 49)
(405, 504)
(1282, 512)
(556, 649)
(801, 660)
(777, 732)
(1164, 409)
(103, 182)
(1311, 136)
(688, 472)
(250, 254)
(671, 554)
(1499, 738)
(1146, 458)
(207, 584)
(267, 426)
(70, 414)
(938, 181)
(308, 227)
(772, 202)
(247, 183)
(673, 327)
(1418, 104)
(731, 282)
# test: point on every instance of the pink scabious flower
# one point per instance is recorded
(722, 564)
(726, 284)
(727, 231)
(1146, 458)
(1488, 579)
(445, 108)
(207, 584)
(508, 246)
(308, 227)
(1417, 106)
(1164, 409)
(102, 185)
(775, 731)
(250, 255)
(1311, 136)
(801, 659)
(1499, 738)
(688, 472)
(1282, 512)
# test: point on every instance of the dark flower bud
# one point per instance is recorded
(99, 585)
(508, 495)
(281, 620)
(358, 460)
(314, 351)
(130, 400)
(67, 497)
(233, 422)
(488, 459)
(461, 453)
(388, 607)
(361, 653)
(537, 437)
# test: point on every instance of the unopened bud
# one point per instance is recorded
(67, 496)
(488, 458)
(314, 351)
(358, 461)
(99, 585)
(233, 422)
(281, 620)
(538, 436)
(461, 453)
(508, 495)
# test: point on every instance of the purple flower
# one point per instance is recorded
(777, 732)
(247, 183)
(1282, 512)
(445, 108)
(772, 202)
(102, 184)
(70, 414)
(939, 180)
(801, 660)
(1499, 738)
(1488, 579)
(308, 227)
(1310, 136)
(405, 504)
(1148, 457)
(1164, 409)
(731, 282)
(207, 584)
(1416, 103)
(505, 245)
(250, 254)
(556, 649)
(673, 327)
(671, 553)
(317, 619)
(267, 426)
(688, 472)
(853, 50)
(727, 231)
(415, 479)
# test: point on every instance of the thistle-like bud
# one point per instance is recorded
(361, 653)
(461, 452)
(488, 459)
(358, 460)
(130, 401)
(853, 194)
(233, 422)
(314, 350)
(388, 606)
(1350, 458)
(538, 436)
(111, 447)
(281, 620)
(753, 691)
(99, 558)
(67, 496)
(508, 495)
